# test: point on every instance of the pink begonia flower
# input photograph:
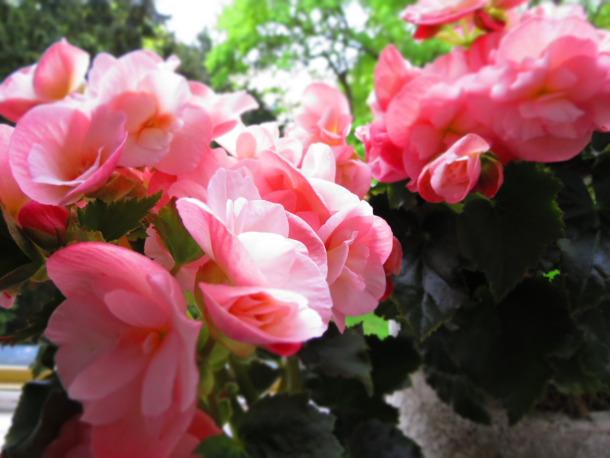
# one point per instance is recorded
(277, 180)
(458, 171)
(431, 14)
(59, 153)
(392, 267)
(202, 427)
(264, 283)
(383, 156)
(358, 244)
(73, 441)
(44, 222)
(6, 300)
(439, 12)
(191, 184)
(126, 349)
(554, 93)
(325, 115)
(224, 109)
(391, 74)
(250, 141)
(166, 128)
(426, 118)
(12, 197)
(319, 162)
(352, 173)
(59, 72)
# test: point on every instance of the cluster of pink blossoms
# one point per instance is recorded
(533, 90)
(289, 245)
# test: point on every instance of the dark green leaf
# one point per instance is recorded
(175, 236)
(505, 348)
(42, 410)
(221, 447)
(340, 355)
(586, 266)
(15, 265)
(452, 385)
(506, 237)
(601, 186)
(349, 403)
(374, 439)
(400, 197)
(425, 297)
(285, 426)
(393, 360)
(115, 219)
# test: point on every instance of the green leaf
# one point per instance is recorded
(177, 239)
(372, 325)
(285, 426)
(43, 408)
(116, 219)
(374, 439)
(221, 447)
(506, 237)
(340, 355)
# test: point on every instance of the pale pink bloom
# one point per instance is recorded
(6, 300)
(224, 109)
(12, 197)
(58, 153)
(202, 427)
(250, 141)
(325, 115)
(166, 128)
(74, 441)
(191, 184)
(319, 162)
(59, 72)
(264, 283)
(126, 348)
(358, 244)
(352, 173)
(459, 171)
(554, 92)
(277, 180)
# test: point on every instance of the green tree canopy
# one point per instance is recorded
(345, 36)
(28, 27)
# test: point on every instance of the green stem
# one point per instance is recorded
(292, 375)
(243, 380)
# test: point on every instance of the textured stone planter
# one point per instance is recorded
(443, 434)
